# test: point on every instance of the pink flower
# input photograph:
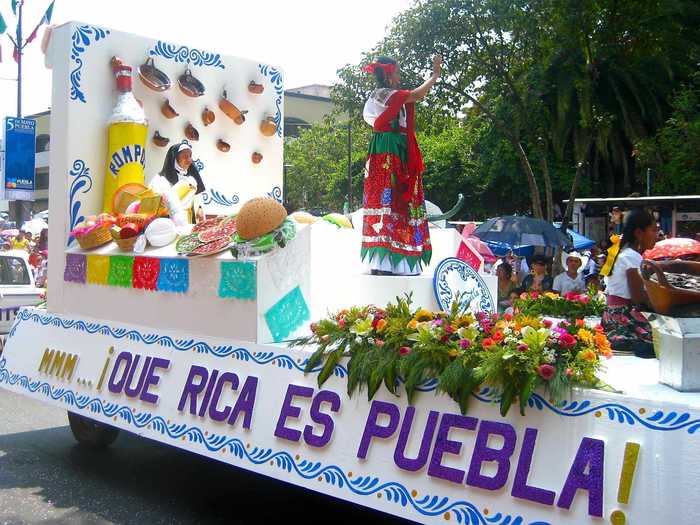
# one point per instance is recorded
(569, 372)
(534, 295)
(584, 299)
(379, 343)
(571, 296)
(522, 347)
(546, 372)
(341, 323)
(464, 343)
(437, 322)
(314, 327)
(404, 350)
(547, 323)
(444, 338)
(566, 340)
(449, 329)
(508, 316)
(564, 324)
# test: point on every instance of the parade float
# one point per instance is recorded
(408, 395)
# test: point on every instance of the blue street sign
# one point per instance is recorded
(20, 151)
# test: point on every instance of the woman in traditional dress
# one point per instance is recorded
(626, 327)
(395, 235)
(178, 166)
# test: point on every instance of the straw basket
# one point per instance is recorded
(662, 295)
(97, 237)
(125, 245)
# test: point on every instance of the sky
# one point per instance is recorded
(309, 39)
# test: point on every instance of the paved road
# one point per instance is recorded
(46, 478)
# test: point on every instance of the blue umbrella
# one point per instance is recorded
(580, 242)
(516, 232)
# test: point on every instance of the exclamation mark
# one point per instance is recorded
(629, 466)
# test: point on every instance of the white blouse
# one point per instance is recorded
(617, 282)
(377, 104)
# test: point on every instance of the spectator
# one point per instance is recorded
(538, 280)
(570, 281)
(506, 285)
(43, 242)
(20, 242)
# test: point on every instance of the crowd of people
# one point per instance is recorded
(37, 249)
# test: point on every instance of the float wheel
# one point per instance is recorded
(91, 433)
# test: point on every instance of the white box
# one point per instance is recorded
(677, 345)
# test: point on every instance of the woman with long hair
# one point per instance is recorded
(395, 236)
(626, 327)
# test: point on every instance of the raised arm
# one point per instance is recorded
(422, 90)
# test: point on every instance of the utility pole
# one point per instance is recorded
(350, 160)
(19, 45)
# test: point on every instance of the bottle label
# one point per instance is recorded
(127, 154)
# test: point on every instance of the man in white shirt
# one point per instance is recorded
(570, 280)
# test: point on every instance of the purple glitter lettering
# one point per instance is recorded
(482, 453)
(192, 389)
(520, 487)
(444, 445)
(116, 387)
(591, 456)
(291, 411)
(152, 379)
(400, 452)
(245, 402)
(372, 429)
(324, 396)
(214, 412)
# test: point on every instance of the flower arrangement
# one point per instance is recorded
(401, 344)
(570, 306)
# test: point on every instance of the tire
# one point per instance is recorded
(91, 433)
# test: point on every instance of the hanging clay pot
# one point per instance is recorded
(230, 110)
(268, 127)
(159, 140)
(152, 77)
(255, 88)
(256, 158)
(191, 132)
(223, 146)
(189, 85)
(208, 116)
(168, 111)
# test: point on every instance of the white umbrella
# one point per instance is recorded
(34, 226)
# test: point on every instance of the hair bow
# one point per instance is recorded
(373, 66)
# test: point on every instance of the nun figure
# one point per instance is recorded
(179, 169)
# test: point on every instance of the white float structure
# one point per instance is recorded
(199, 371)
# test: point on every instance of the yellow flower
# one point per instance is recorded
(551, 295)
(585, 336)
(452, 352)
(587, 355)
(381, 324)
(423, 315)
(524, 320)
(412, 324)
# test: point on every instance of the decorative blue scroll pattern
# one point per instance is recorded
(216, 197)
(616, 412)
(276, 194)
(81, 182)
(393, 491)
(83, 37)
(275, 78)
(186, 55)
(453, 276)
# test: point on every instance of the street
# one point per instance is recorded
(45, 477)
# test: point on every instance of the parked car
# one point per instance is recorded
(17, 287)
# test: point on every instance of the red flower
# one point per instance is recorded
(584, 299)
(580, 323)
(341, 323)
(547, 323)
(498, 336)
(508, 316)
(569, 372)
(404, 350)
(598, 328)
(522, 347)
(546, 372)
(449, 329)
(534, 295)
(488, 343)
(566, 340)
(444, 338)
(379, 343)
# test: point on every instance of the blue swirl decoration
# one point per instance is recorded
(451, 269)
(393, 491)
(615, 412)
(199, 165)
(216, 197)
(276, 194)
(82, 37)
(275, 77)
(186, 55)
(81, 183)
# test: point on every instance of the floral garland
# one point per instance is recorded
(401, 344)
(570, 306)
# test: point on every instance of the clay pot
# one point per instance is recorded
(255, 88)
(159, 140)
(152, 77)
(223, 146)
(268, 127)
(208, 116)
(191, 132)
(230, 110)
(189, 85)
(168, 111)
(256, 158)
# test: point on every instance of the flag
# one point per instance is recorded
(46, 19)
(3, 25)
(15, 54)
(33, 35)
(14, 7)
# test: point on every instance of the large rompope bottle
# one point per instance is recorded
(127, 131)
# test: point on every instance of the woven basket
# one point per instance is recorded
(97, 237)
(125, 245)
(662, 295)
